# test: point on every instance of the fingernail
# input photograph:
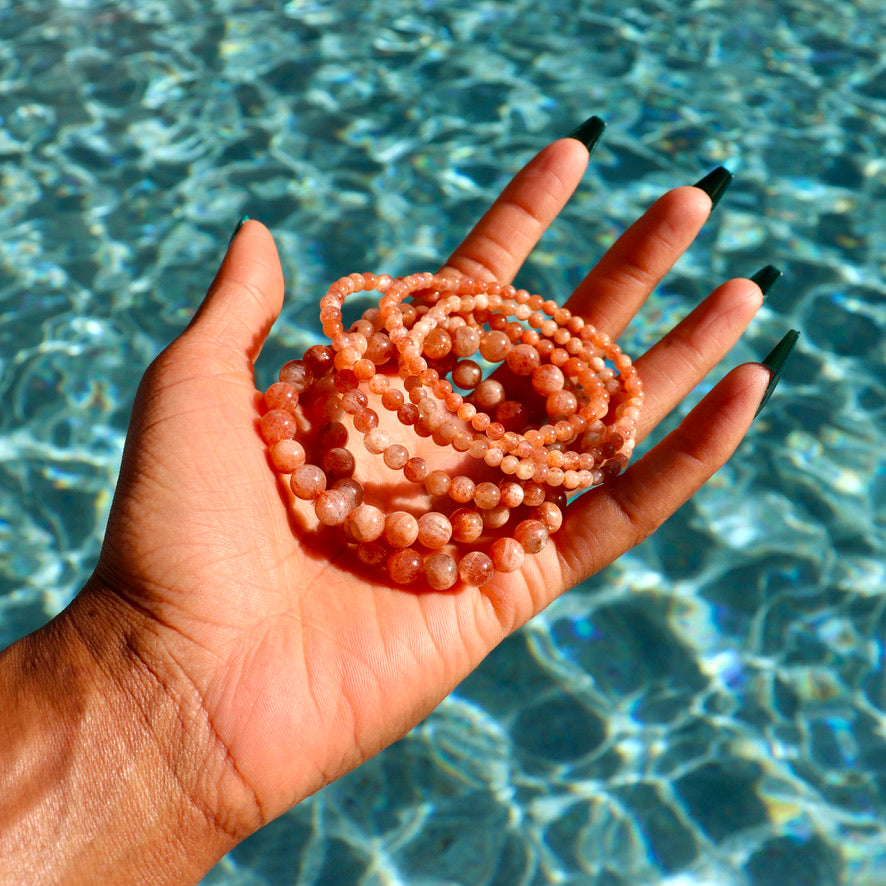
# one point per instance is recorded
(714, 184)
(237, 229)
(589, 132)
(766, 278)
(775, 362)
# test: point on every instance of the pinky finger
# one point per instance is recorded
(611, 519)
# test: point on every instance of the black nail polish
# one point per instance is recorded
(714, 184)
(766, 278)
(589, 132)
(237, 229)
(775, 362)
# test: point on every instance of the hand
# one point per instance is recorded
(276, 669)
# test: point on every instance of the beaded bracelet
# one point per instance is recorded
(576, 370)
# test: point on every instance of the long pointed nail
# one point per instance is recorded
(714, 184)
(766, 278)
(775, 362)
(237, 229)
(589, 132)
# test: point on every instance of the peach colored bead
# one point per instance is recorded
(298, 374)
(532, 535)
(512, 415)
(441, 571)
(401, 529)
(479, 447)
(352, 488)
(287, 455)
(332, 507)
(438, 343)
(495, 518)
(376, 441)
(480, 422)
(365, 420)
(395, 456)
(416, 469)
(523, 359)
(281, 395)
(493, 456)
(338, 462)
(372, 553)
(533, 494)
(404, 566)
(378, 384)
(365, 523)
(466, 341)
(461, 442)
(438, 483)
(506, 554)
(487, 495)
(364, 369)
(489, 394)
(467, 374)
(276, 425)
(549, 515)
(547, 379)
(467, 525)
(461, 489)
(475, 568)
(561, 404)
(511, 494)
(434, 529)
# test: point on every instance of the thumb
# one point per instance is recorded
(243, 301)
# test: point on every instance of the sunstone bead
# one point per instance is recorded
(352, 488)
(523, 359)
(332, 434)
(467, 374)
(465, 341)
(532, 535)
(401, 529)
(495, 518)
(307, 481)
(287, 455)
(476, 568)
(438, 483)
(461, 489)
(467, 525)
(487, 495)
(416, 469)
(441, 571)
(547, 380)
(365, 523)
(511, 493)
(489, 394)
(298, 374)
(506, 554)
(332, 507)
(376, 441)
(434, 529)
(338, 462)
(561, 404)
(276, 425)
(372, 553)
(281, 395)
(404, 566)
(549, 515)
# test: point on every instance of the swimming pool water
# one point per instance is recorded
(709, 710)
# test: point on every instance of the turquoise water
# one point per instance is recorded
(709, 711)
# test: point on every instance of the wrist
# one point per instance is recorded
(110, 771)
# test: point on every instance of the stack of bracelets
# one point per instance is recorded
(559, 415)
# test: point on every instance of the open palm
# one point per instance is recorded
(290, 666)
